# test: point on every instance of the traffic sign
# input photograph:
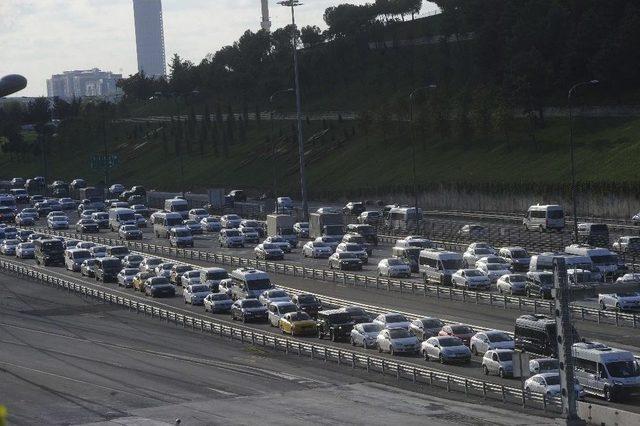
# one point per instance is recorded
(101, 161)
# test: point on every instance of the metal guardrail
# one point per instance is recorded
(379, 283)
(289, 346)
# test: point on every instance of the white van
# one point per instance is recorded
(249, 283)
(163, 222)
(74, 257)
(177, 205)
(544, 218)
(607, 372)
(438, 265)
(403, 217)
(213, 277)
(604, 260)
(121, 216)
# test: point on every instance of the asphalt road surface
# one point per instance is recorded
(69, 360)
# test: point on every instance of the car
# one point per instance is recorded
(517, 257)
(627, 244)
(25, 251)
(58, 222)
(188, 278)
(394, 267)
(230, 238)
(177, 271)
(393, 319)
(301, 229)
(140, 209)
(87, 226)
(67, 204)
(494, 266)
(370, 217)
(539, 284)
(87, 245)
(278, 240)
(498, 361)
(237, 195)
(274, 295)
(354, 208)
(98, 251)
(130, 232)
(8, 247)
(7, 214)
(276, 310)
(250, 235)
(53, 213)
(331, 240)
(335, 323)
(23, 235)
(87, 214)
(211, 224)
(297, 323)
(257, 225)
(426, 327)
(125, 277)
(473, 254)
(132, 261)
(149, 264)
(267, 251)
(87, 268)
(397, 340)
(217, 302)
(249, 310)
(484, 341)
(194, 294)
(102, 218)
(330, 210)
(470, 279)
(549, 385)
(230, 221)
(512, 284)
(317, 250)
(194, 226)
(116, 189)
(159, 286)
(474, 231)
(163, 269)
(307, 302)
(198, 214)
(631, 278)
(365, 334)
(10, 233)
(355, 249)
(446, 349)
(25, 220)
(544, 365)
(140, 220)
(140, 278)
(345, 261)
(619, 301)
(461, 331)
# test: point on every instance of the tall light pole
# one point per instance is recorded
(294, 43)
(273, 141)
(413, 148)
(574, 201)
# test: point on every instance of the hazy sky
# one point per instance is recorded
(39, 38)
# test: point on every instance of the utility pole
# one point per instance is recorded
(565, 341)
(107, 162)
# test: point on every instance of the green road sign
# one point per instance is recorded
(101, 161)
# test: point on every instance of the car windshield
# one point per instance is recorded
(482, 250)
(495, 267)
(353, 310)
(192, 274)
(111, 264)
(518, 278)
(200, 288)
(285, 309)
(231, 233)
(319, 244)
(303, 225)
(474, 273)
(220, 297)
(371, 328)
(299, 316)
(552, 380)
(233, 217)
(159, 281)
(431, 323)
(99, 249)
(461, 329)
(519, 254)
(451, 263)
(119, 250)
(134, 258)
(277, 294)
(130, 271)
(268, 246)
(499, 337)
(623, 369)
(27, 245)
(210, 219)
(182, 233)
(52, 246)
(548, 365)
(166, 266)
(251, 303)
(605, 259)
(307, 298)
(395, 262)
(399, 333)
(396, 318)
(259, 284)
(340, 318)
(546, 279)
(220, 275)
(346, 255)
(505, 356)
(354, 247)
(449, 341)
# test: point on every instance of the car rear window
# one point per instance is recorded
(461, 329)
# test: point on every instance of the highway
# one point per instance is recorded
(69, 360)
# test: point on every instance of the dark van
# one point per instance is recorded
(537, 334)
(594, 234)
(49, 252)
(107, 268)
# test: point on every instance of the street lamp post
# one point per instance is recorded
(574, 200)
(273, 142)
(303, 184)
(413, 148)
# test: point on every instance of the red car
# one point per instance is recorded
(461, 331)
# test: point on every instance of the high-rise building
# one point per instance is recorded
(81, 83)
(149, 37)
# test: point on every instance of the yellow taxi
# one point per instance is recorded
(299, 323)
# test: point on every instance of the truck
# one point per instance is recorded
(331, 224)
(282, 224)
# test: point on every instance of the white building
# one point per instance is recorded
(81, 83)
(149, 37)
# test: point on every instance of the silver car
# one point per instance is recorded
(195, 293)
(426, 327)
(445, 349)
(394, 267)
(189, 278)
(25, 251)
(125, 277)
(277, 311)
(365, 334)
(217, 302)
(471, 279)
(498, 361)
(397, 340)
(512, 284)
(484, 341)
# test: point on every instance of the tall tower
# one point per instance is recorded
(265, 24)
(149, 37)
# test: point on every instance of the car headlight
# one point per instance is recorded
(618, 383)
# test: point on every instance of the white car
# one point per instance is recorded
(149, 264)
(470, 279)
(493, 270)
(317, 249)
(631, 278)
(498, 361)
(544, 365)
(98, 252)
(484, 341)
(85, 245)
(445, 349)
(163, 270)
(426, 327)
(474, 231)
(365, 334)
(194, 226)
(268, 251)
(512, 284)
(397, 340)
(140, 220)
(330, 240)
(217, 302)
(125, 277)
(197, 214)
(230, 221)
(8, 247)
(472, 255)
(25, 251)
(284, 245)
(250, 235)
(394, 267)
(619, 301)
(25, 219)
(356, 249)
(414, 241)
(190, 278)
(195, 293)
(548, 384)
(274, 295)
(58, 222)
(392, 319)
(210, 224)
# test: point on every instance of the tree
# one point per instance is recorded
(311, 35)
(181, 76)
